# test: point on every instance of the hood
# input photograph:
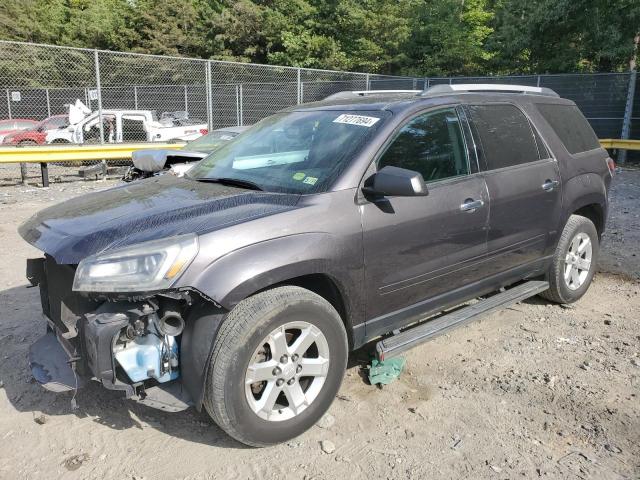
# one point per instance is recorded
(150, 209)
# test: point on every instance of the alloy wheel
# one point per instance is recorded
(287, 371)
(577, 262)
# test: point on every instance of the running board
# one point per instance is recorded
(414, 336)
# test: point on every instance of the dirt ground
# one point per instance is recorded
(536, 390)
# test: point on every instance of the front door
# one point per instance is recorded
(418, 247)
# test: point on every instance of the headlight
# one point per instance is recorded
(147, 266)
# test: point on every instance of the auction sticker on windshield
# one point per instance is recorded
(360, 120)
(310, 180)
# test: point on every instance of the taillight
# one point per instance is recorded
(612, 166)
(203, 131)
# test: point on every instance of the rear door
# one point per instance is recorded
(523, 182)
(416, 248)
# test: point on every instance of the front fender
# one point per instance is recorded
(250, 269)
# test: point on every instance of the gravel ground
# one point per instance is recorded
(536, 390)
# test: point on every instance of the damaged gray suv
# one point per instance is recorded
(362, 219)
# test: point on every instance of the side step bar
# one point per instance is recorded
(403, 341)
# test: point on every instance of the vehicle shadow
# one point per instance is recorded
(21, 324)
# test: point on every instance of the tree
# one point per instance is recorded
(416, 37)
(40, 21)
(449, 38)
(564, 35)
(107, 24)
(175, 27)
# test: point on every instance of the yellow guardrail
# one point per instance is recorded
(120, 151)
(613, 143)
(44, 154)
(70, 153)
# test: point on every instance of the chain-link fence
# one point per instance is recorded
(122, 97)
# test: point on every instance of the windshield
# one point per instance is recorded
(209, 142)
(295, 152)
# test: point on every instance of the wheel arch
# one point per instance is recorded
(326, 287)
(586, 195)
(595, 213)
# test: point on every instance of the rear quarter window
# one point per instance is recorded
(570, 126)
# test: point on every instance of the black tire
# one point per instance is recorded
(559, 291)
(25, 143)
(241, 333)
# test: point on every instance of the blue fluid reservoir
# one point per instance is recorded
(142, 358)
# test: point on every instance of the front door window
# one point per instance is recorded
(432, 144)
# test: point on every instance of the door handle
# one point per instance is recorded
(470, 205)
(549, 185)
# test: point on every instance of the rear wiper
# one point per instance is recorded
(236, 182)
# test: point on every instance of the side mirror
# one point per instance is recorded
(396, 182)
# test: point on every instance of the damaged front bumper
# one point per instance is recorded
(126, 344)
(52, 366)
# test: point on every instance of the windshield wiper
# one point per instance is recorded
(235, 182)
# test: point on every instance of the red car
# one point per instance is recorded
(7, 127)
(37, 134)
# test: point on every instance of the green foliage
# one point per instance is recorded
(417, 37)
(449, 37)
(563, 35)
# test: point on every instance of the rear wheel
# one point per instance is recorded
(574, 261)
(278, 362)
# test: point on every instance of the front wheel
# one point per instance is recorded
(278, 362)
(574, 261)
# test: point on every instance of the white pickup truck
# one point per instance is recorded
(127, 126)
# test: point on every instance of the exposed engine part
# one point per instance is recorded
(151, 355)
(138, 328)
(170, 323)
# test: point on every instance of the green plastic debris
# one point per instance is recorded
(383, 373)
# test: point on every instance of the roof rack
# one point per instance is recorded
(346, 94)
(489, 87)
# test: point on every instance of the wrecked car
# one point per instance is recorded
(242, 286)
(119, 125)
(148, 163)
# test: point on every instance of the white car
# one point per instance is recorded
(126, 126)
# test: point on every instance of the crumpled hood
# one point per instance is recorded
(151, 209)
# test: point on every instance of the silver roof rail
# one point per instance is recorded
(349, 94)
(489, 87)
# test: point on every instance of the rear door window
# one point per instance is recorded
(506, 135)
(571, 126)
(432, 144)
